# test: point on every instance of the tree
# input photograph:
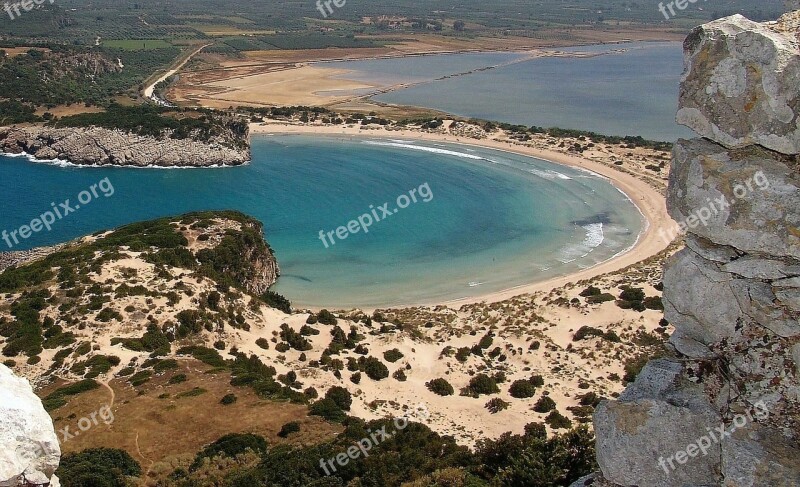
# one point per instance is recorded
(459, 26)
(559, 461)
(340, 396)
(544, 404)
(522, 389)
(374, 368)
(102, 467)
(440, 386)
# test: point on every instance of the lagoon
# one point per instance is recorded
(495, 219)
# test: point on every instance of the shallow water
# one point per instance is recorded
(629, 93)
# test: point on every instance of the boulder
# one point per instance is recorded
(640, 436)
(741, 85)
(29, 449)
(748, 199)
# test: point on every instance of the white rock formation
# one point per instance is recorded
(29, 449)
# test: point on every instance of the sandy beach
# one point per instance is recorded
(647, 199)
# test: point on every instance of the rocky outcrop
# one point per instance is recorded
(29, 450)
(262, 270)
(725, 409)
(740, 83)
(93, 146)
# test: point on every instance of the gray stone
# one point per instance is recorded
(753, 267)
(636, 440)
(755, 455)
(707, 305)
(657, 379)
(740, 85)
(748, 200)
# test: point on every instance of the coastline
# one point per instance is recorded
(650, 203)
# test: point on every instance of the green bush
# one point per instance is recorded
(328, 409)
(57, 398)
(275, 300)
(340, 396)
(392, 355)
(98, 467)
(522, 389)
(440, 386)
(230, 446)
(557, 420)
(326, 317)
(481, 384)
(374, 368)
(496, 405)
(544, 404)
(289, 428)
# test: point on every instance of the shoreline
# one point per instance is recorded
(650, 203)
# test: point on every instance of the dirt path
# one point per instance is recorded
(149, 89)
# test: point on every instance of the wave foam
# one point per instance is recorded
(594, 238)
(550, 175)
(423, 148)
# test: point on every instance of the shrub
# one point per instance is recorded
(57, 398)
(654, 302)
(105, 467)
(537, 380)
(289, 428)
(230, 446)
(600, 298)
(522, 389)
(355, 378)
(557, 420)
(482, 384)
(536, 430)
(326, 317)
(496, 405)
(275, 300)
(228, 399)
(590, 399)
(440, 386)
(590, 291)
(400, 375)
(374, 368)
(340, 396)
(197, 391)
(263, 343)
(177, 379)
(544, 404)
(327, 409)
(140, 378)
(392, 355)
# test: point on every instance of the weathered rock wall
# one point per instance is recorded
(725, 410)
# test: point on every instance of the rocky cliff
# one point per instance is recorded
(94, 146)
(29, 450)
(725, 409)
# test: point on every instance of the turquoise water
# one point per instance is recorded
(493, 220)
(629, 93)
